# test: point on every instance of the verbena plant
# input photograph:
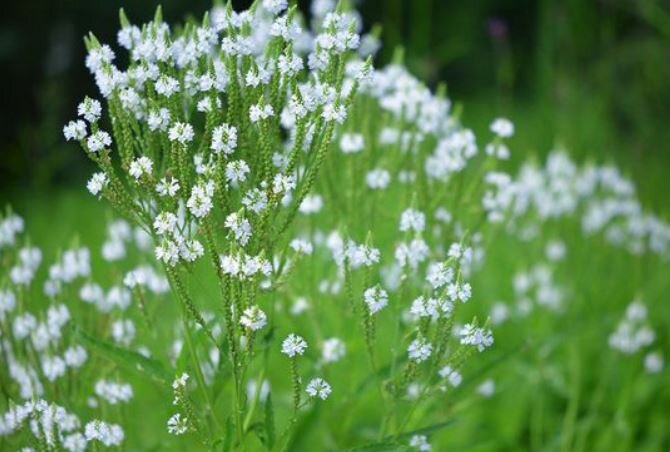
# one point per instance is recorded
(316, 222)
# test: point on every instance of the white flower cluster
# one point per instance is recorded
(244, 267)
(54, 425)
(293, 345)
(633, 333)
(537, 286)
(113, 392)
(600, 196)
(11, 226)
(481, 338)
(376, 299)
(318, 387)
(419, 350)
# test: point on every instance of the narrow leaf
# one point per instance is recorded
(125, 358)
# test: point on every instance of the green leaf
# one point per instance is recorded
(123, 19)
(228, 436)
(269, 422)
(259, 429)
(158, 15)
(125, 358)
(424, 430)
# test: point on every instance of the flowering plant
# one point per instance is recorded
(258, 162)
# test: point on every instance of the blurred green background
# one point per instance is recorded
(590, 75)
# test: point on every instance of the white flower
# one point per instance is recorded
(53, 367)
(499, 313)
(653, 362)
(181, 132)
(123, 331)
(293, 345)
(230, 265)
(97, 183)
(282, 184)
(237, 171)
(420, 442)
(177, 425)
(478, 337)
(7, 303)
(159, 119)
(318, 387)
(253, 78)
(75, 130)
(275, 6)
(98, 141)
(502, 127)
(290, 66)
(165, 223)
(439, 274)
(312, 203)
(191, 250)
(168, 253)
(351, 143)
(422, 307)
(419, 350)
(75, 356)
(167, 187)
(632, 333)
(140, 167)
(179, 383)
(108, 434)
(443, 215)
(301, 246)
(260, 112)
(452, 375)
(166, 85)
(459, 292)
(378, 179)
(487, 388)
(299, 306)
(74, 442)
(281, 27)
(23, 325)
(359, 255)
(113, 392)
(333, 113)
(90, 109)
(261, 388)
(224, 139)
(99, 57)
(333, 349)
(555, 250)
(253, 318)
(412, 220)
(376, 298)
(200, 201)
(412, 253)
(255, 200)
(240, 227)
(497, 150)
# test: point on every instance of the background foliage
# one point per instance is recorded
(590, 75)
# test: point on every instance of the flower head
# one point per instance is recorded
(318, 387)
(376, 298)
(293, 345)
(253, 318)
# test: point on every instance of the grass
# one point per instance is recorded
(558, 385)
